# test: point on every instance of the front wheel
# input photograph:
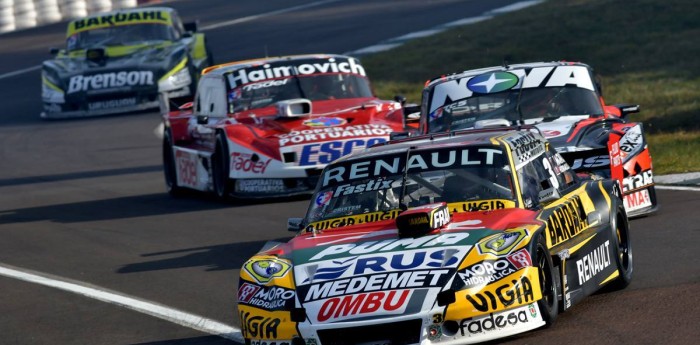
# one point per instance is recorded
(220, 168)
(169, 166)
(549, 304)
(623, 252)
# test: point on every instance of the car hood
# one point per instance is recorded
(334, 120)
(370, 262)
(159, 58)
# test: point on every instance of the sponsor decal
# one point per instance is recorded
(491, 323)
(186, 168)
(533, 310)
(550, 76)
(633, 182)
(287, 69)
(79, 83)
(356, 219)
(423, 219)
(593, 262)
(337, 308)
(247, 162)
(329, 133)
(324, 198)
(120, 18)
(433, 258)
(372, 185)
(112, 103)
(551, 133)
(637, 200)
(268, 298)
(507, 294)
(525, 145)
(591, 162)
(489, 271)
(260, 186)
(390, 245)
(615, 154)
(434, 332)
(484, 205)
(324, 122)
(375, 282)
(262, 85)
(492, 82)
(253, 326)
(502, 244)
(324, 153)
(631, 142)
(566, 221)
(420, 161)
(264, 270)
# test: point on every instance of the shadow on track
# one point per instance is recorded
(127, 207)
(209, 340)
(213, 258)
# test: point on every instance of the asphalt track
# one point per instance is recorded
(84, 200)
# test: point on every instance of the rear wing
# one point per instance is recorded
(174, 104)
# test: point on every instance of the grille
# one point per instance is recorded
(397, 333)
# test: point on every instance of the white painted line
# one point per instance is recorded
(692, 189)
(418, 34)
(467, 21)
(262, 15)
(18, 72)
(210, 27)
(375, 48)
(182, 318)
(516, 6)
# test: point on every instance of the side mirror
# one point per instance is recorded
(294, 224)
(190, 27)
(401, 99)
(548, 195)
(53, 51)
(626, 109)
(202, 119)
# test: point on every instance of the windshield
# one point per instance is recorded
(536, 105)
(316, 87)
(462, 177)
(119, 35)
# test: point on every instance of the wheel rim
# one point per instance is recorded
(622, 247)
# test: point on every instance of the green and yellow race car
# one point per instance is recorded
(121, 61)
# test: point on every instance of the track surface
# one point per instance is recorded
(84, 200)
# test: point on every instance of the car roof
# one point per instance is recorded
(504, 68)
(236, 65)
(496, 137)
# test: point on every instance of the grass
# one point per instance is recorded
(644, 52)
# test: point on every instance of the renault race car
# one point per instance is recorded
(120, 61)
(565, 102)
(451, 238)
(266, 127)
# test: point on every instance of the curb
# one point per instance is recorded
(685, 179)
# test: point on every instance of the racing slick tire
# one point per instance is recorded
(549, 303)
(220, 164)
(623, 258)
(169, 167)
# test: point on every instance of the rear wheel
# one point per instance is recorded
(623, 252)
(169, 167)
(549, 304)
(220, 168)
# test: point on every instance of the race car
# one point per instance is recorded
(266, 127)
(120, 61)
(562, 99)
(452, 238)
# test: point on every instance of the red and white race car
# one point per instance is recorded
(565, 102)
(266, 127)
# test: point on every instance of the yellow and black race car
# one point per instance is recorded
(451, 238)
(121, 61)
